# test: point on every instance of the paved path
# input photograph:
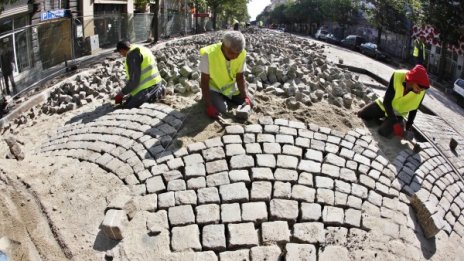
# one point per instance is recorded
(276, 188)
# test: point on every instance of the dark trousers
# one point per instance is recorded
(221, 102)
(372, 111)
(9, 78)
(152, 94)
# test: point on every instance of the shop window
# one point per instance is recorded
(23, 49)
(6, 26)
(20, 22)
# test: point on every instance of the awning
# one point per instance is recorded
(27, 8)
(120, 2)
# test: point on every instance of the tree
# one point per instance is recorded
(228, 9)
(340, 11)
(387, 15)
(446, 17)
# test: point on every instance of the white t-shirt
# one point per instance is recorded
(204, 65)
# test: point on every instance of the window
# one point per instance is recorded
(20, 22)
(6, 26)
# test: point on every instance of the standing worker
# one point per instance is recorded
(144, 80)
(8, 65)
(403, 97)
(222, 81)
(419, 50)
(236, 25)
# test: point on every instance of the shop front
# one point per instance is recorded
(16, 36)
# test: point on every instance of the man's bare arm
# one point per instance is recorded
(204, 84)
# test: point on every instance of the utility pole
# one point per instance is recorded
(196, 16)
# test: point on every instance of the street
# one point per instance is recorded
(303, 178)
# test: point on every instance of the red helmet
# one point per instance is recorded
(418, 75)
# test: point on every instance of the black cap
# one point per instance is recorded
(122, 45)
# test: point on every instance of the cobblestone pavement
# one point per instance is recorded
(441, 134)
(276, 188)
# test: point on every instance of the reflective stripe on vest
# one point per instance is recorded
(402, 104)
(149, 74)
(416, 50)
(221, 79)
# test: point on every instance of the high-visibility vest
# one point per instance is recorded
(149, 74)
(222, 79)
(402, 104)
(415, 53)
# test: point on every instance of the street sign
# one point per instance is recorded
(201, 15)
(53, 14)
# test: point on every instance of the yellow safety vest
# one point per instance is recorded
(416, 50)
(222, 79)
(402, 104)
(149, 74)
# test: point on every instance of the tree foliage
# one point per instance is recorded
(447, 17)
(311, 11)
(226, 10)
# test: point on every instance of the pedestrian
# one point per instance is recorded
(403, 97)
(8, 65)
(419, 50)
(236, 25)
(222, 81)
(143, 78)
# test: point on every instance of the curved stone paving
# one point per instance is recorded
(277, 188)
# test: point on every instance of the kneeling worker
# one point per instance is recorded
(144, 80)
(222, 81)
(403, 97)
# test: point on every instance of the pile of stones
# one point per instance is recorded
(277, 64)
(280, 64)
(107, 78)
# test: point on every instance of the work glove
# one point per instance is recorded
(398, 130)
(212, 112)
(118, 98)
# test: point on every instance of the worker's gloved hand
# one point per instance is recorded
(118, 98)
(248, 101)
(212, 112)
(398, 130)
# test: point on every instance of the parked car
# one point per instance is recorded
(331, 38)
(353, 42)
(370, 49)
(321, 34)
(459, 90)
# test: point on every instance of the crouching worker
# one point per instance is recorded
(222, 81)
(143, 79)
(403, 97)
